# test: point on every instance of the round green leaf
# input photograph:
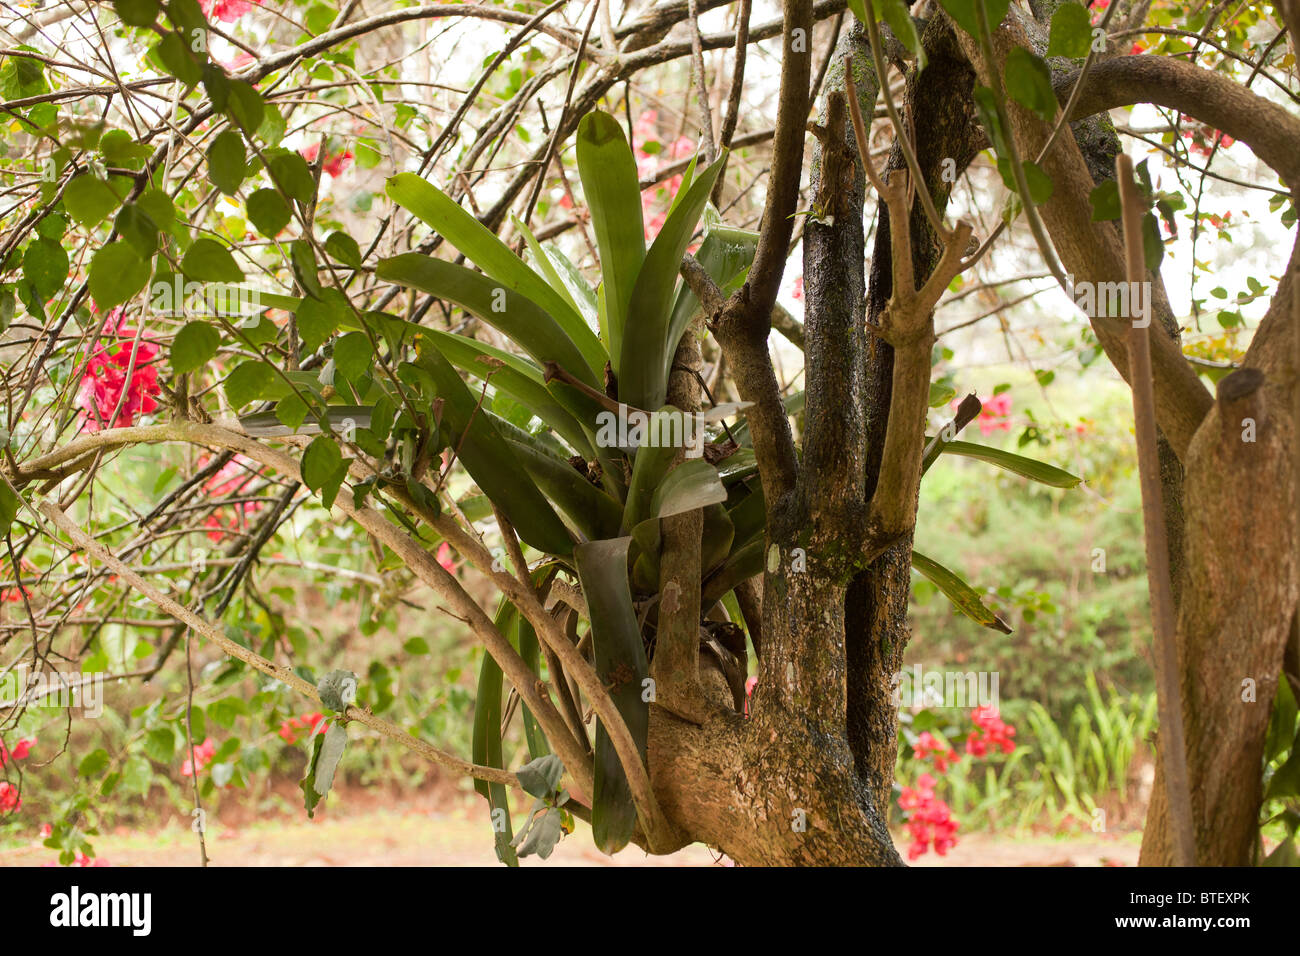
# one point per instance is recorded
(1071, 31)
(117, 272)
(89, 200)
(320, 461)
(209, 261)
(194, 346)
(268, 211)
(1030, 82)
(227, 162)
(45, 265)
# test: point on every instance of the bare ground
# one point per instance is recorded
(443, 831)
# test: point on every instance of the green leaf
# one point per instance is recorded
(137, 13)
(609, 180)
(291, 173)
(621, 665)
(326, 752)
(962, 595)
(541, 777)
(246, 107)
(90, 199)
(1040, 184)
(248, 382)
(45, 266)
(514, 315)
(593, 511)
(904, 28)
(495, 258)
(94, 763)
(174, 54)
(557, 405)
(645, 348)
(489, 460)
(227, 162)
(343, 248)
(726, 255)
(207, 260)
(963, 13)
(160, 745)
(1105, 201)
(10, 503)
(320, 462)
(353, 355)
(486, 742)
(268, 211)
(302, 257)
(1017, 464)
(1029, 82)
(194, 346)
(1071, 31)
(318, 319)
(116, 274)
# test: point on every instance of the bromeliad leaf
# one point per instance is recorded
(515, 315)
(621, 664)
(489, 460)
(962, 595)
(495, 258)
(609, 179)
(646, 350)
(1017, 464)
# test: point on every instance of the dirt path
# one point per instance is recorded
(455, 833)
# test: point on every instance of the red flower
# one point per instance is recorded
(930, 821)
(446, 559)
(46, 831)
(797, 292)
(203, 755)
(14, 594)
(928, 744)
(227, 11)
(750, 684)
(991, 731)
(104, 384)
(334, 164)
(9, 799)
(647, 164)
(993, 415)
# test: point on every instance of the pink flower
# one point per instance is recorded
(83, 860)
(203, 755)
(647, 164)
(227, 11)
(797, 292)
(46, 831)
(991, 732)
(750, 684)
(993, 415)
(104, 385)
(930, 820)
(446, 559)
(927, 744)
(334, 164)
(9, 799)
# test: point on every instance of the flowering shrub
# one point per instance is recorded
(993, 415)
(290, 728)
(120, 380)
(647, 164)
(227, 11)
(930, 823)
(203, 755)
(334, 163)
